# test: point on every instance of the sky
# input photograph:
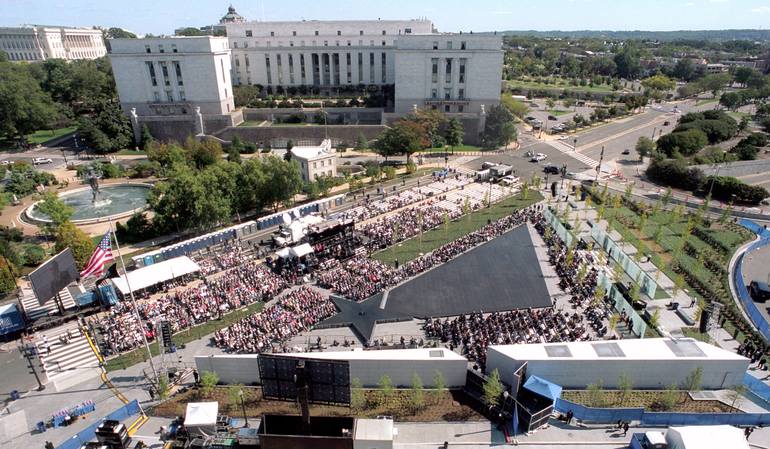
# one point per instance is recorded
(163, 16)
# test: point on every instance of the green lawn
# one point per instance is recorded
(139, 355)
(559, 85)
(46, 135)
(410, 249)
(738, 116)
(457, 149)
(127, 152)
(703, 101)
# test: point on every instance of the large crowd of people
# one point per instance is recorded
(472, 334)
(405, 224)
(268, 330)
(186, 307)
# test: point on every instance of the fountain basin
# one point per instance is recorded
(114, 201)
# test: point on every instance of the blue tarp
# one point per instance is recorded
(543, 387)
(10, 319)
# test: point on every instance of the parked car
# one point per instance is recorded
(538, 157)
(666, 123)
(552, 117)
(509, 180)
(626, 152)
(6, 162)
(42, 160)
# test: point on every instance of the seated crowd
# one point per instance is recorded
(405, 224)
(294, 313)
(187, 307)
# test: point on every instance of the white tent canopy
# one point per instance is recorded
(706, 437)
(302, 250)
(201, 418)
(156, 273)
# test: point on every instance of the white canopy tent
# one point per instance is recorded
(301, 250)
(201, 418)
(156, 273)
(706, 437)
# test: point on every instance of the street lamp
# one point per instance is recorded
(243, 407)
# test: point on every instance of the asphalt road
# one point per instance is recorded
(15, 374)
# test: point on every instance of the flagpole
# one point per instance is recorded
(136, 309)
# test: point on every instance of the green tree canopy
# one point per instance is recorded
(24, 106)
(499, 128)
(70, 236)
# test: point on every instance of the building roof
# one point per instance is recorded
(155, 274)
(313, 152)
(231, 16)
(201, 413)
(630, 349)
(384, 354)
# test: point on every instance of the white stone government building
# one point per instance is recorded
(457, 73)
(33, 43)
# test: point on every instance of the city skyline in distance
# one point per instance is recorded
(153, 17)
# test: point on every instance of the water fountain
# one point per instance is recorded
(98, 202)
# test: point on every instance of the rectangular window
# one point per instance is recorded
(361, 32)
(434, 70)
(326, 43)
(235, 44)
(272, 34)
(383, 43)
(360, 68)
(407, 31)
(156, 94)
(222, 66)
(291, 69)
(248, 33)
(447, 93)
(435, 45)
(384, 68)
(462, 45)
(293, 33)
(151, 70)
(178, 72)
(434, 93)
(448, 74)
(279, 69)
(169, 96)
(182, 96)
(348, 68)
(291, 43)
(246, 60)
(160, 48)
(316, 33)
(147, 49)
(448, 45)
(302, 69)
(460, 108)
(348, 43)
(339, 33)
(462, 70)
(267, 70)
(173, 48)
(461, 94)
(383, 32)
(447, 108)
(371, 68)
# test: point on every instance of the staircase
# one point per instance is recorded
(35, 311)
(67, 363)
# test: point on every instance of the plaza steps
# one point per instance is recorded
(67, 364)
(34, 310)
(570, 151)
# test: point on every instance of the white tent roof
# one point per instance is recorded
(706, 437)
(282, 253)
(156, 273)
(301, 250)
(201, 413)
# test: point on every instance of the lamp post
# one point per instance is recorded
(243, 407)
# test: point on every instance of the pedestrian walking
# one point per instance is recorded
(151, 392)
(625, 428)
(196, 377)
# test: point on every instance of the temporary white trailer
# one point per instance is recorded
(652, 363)
(706, 437)
(201, 418)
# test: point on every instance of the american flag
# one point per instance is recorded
(102, 254)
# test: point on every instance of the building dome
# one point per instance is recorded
(232, 16)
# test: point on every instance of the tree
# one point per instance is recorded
(147, 138)
(404, 137)
(361, 142)
(454, 133)
(56, 210)
(627, 61)
(24, 107)
(357, 398)
(644, 147)
(670, 397)
(209, 380)
(386, 391)
(694, 380)
(596, 394)
(685, 142)
(190, 31)
(107, 129)
(234, 394)
(493, 389)
(69, 236)
(282, 181)
(743, 74)
(246, 95)
(625, 385)
(499, 128)
(417, 394)
(658, 83)
(439, 385)
(118, 33)
(684, 69)
(714, 83)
